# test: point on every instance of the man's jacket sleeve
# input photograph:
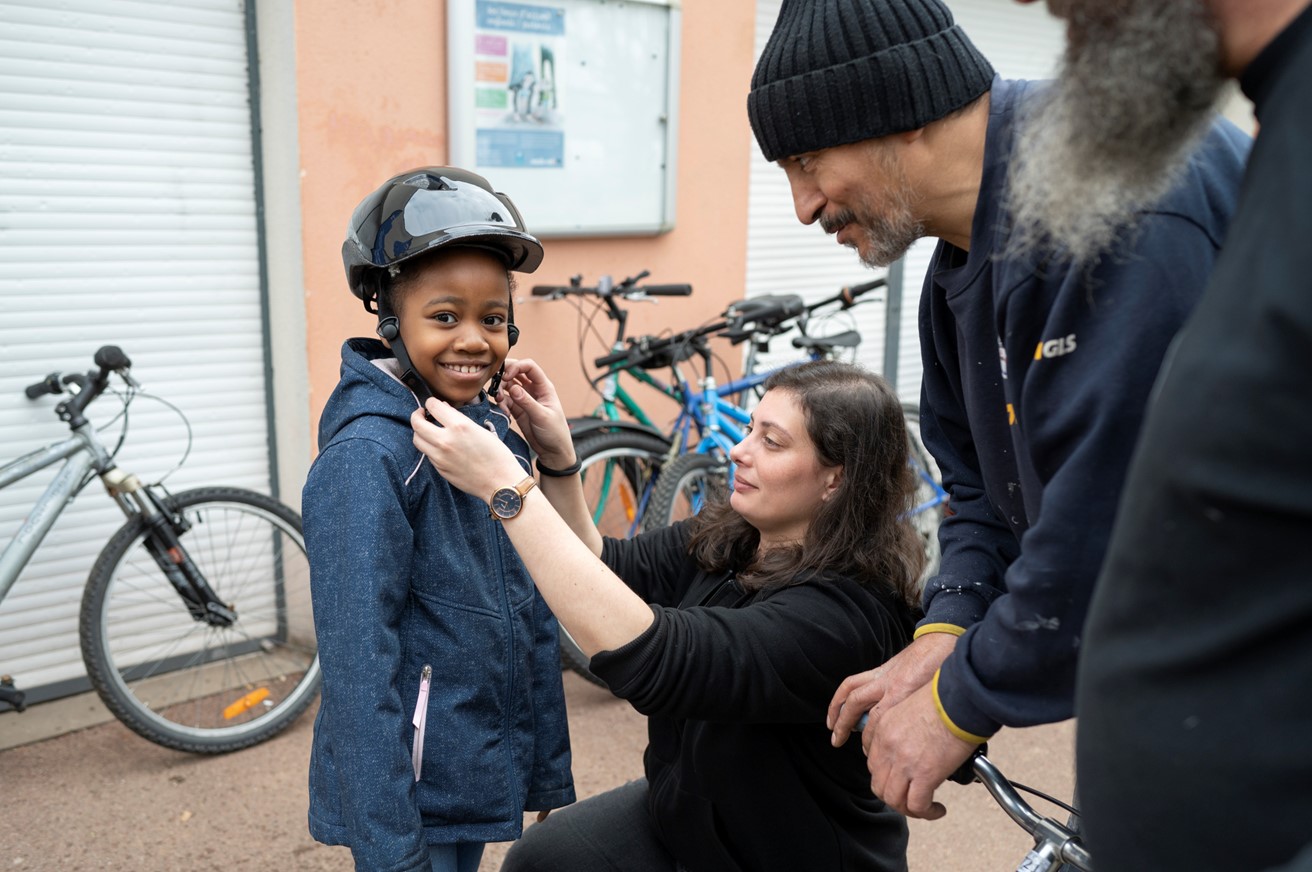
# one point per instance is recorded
(1080, 413)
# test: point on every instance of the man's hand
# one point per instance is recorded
(911, 754)
(887, 685)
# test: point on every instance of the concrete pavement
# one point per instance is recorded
(101, 798)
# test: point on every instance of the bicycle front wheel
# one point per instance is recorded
(684, 487)
(618, 472)
(930, 498)
(186, 683)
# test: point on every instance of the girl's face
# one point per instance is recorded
(780, 482)
(453, 317)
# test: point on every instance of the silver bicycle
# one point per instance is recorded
(196, 626)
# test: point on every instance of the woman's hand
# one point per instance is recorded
(469, 457)
(529, 395)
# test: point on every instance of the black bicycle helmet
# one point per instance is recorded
(426, 209)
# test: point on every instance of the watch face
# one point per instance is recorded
(506, 502)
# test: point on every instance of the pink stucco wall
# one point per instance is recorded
(371, 83)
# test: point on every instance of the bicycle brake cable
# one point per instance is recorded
(1041, 795)
(185, 422)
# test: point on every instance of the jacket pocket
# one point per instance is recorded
(420, 719)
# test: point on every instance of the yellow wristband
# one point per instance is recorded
(947, 721)
(950, 629)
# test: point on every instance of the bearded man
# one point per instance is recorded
(1193, 749)
(1038, 358)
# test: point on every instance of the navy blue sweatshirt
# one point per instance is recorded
(1036, 378)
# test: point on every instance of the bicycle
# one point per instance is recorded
(619, 446)
(636, 476)
(704, 468)
(620, 439)
(1054, 843)
(195, 624)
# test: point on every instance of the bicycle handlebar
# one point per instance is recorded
(1061, 842)
(108, 358)
(649, 351)
(606, 288)
(847, 296)
(48, 385)
(740, 320)
(767, 314)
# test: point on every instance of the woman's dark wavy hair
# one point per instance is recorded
(855, 421)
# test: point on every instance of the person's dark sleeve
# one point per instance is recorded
(360, 564)
(976, 544)
(1081, 413)
(654, 564)
(776, 660)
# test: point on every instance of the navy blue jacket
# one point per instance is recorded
(1036, 378)
(408, 572)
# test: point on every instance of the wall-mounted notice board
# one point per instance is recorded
(570, 107)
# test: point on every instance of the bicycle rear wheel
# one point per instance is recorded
(930, 498)
(618, 472)
(684, 487)
(185, 683)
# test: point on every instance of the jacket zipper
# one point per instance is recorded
(497, 532)
(420, 720)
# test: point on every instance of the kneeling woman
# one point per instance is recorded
(729, 630)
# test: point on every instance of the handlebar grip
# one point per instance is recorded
(965, 773)
(607, 360)
(681, 290)
(48, 385)
(551, 290)
(849, 294)
(864, 287)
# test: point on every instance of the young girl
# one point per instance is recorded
(443, 715)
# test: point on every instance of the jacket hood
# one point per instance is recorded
(370, 387)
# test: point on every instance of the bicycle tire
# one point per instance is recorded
(183, 683)
(926, 520)
(683, 488)
(618, 470)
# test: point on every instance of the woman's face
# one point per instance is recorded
(780, 482)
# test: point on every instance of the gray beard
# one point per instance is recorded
(888, 231)
(1112, 135)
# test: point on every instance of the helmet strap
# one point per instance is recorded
(389, 328)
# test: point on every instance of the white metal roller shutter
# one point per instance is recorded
(785, 256)
(127, 217)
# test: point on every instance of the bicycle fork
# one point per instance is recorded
(164, 531)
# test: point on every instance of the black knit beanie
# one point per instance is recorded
(840, 71)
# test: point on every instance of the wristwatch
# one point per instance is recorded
(507, 502)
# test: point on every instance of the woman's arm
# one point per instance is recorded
(530, 396)
(597, 608)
